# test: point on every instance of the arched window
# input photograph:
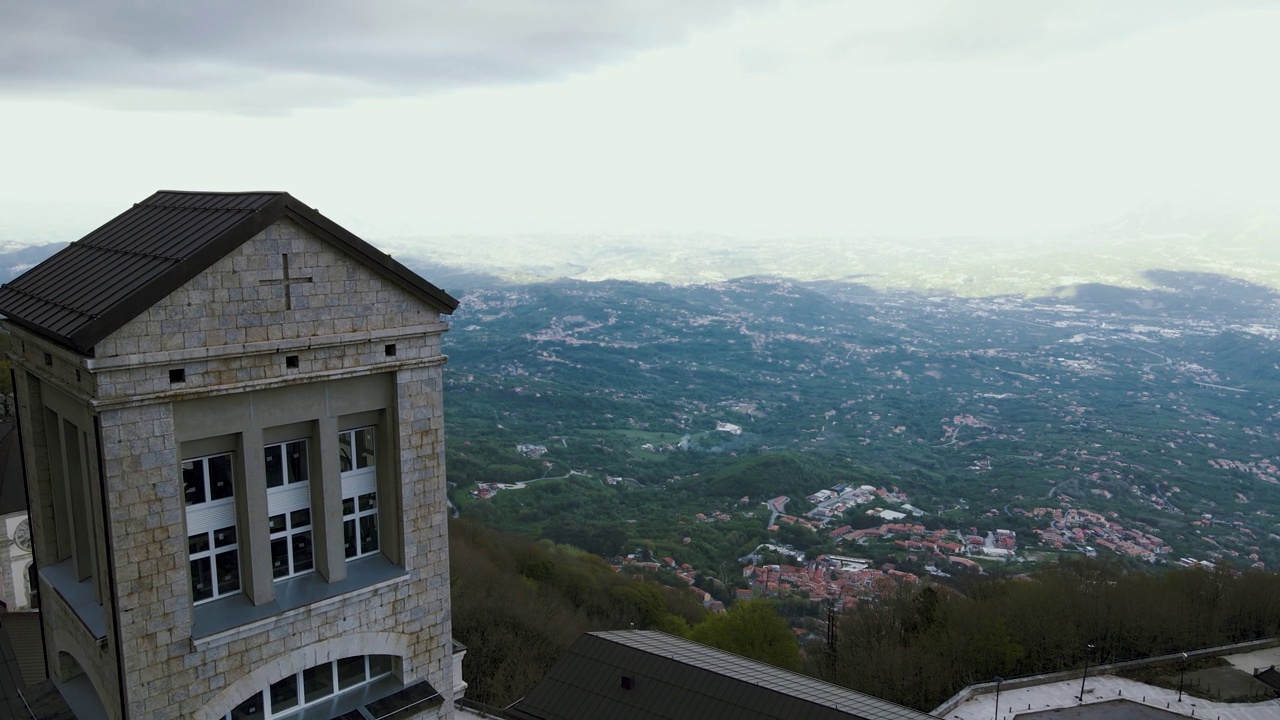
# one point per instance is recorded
(294, 693)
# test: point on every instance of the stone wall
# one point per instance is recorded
(421, 424)
(44, 370)
(235, 328)
(144, 498)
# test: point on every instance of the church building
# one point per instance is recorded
(231, 426)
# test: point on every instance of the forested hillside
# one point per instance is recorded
(923, 646)
(519, 603)
(1144, 420)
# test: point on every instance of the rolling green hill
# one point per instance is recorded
(655, 403)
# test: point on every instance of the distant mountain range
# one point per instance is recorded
(1156, 241)
(16, 260)
(1135, 251)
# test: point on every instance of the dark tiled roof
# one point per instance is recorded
(97, 284)
(674, 679)
(43, 701)
(22, 678)
(26, 639)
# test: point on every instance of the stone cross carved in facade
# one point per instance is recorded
(160, 397)
(286, 281)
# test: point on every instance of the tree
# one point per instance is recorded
(751, 629)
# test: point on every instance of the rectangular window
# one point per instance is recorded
(317, 683)
(358, 461)
(351, 672)
(251, 709)
(284, 695)
(63, 425)
(379, 665)
(356, 449)
(360, 524)
(289, 509)
(57, 477)
(75, 450)
(212, 545)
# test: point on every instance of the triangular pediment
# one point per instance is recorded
(285, 284)
(113, 275)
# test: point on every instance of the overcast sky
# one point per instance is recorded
(746, 118)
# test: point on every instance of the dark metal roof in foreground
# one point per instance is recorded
(97, 284)
(673, 679)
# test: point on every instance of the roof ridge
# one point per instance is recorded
(219, 192)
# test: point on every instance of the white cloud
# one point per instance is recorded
(240, 56)
(769, 125)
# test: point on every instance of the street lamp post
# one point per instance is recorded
(1182, 671)
(1090, 647)
(998, 681)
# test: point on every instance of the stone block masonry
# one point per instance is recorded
(286, 316)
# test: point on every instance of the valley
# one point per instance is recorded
(1134, 423)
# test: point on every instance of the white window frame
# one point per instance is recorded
(212, 520)
(290, 502)
(263, 697)
(359, 476)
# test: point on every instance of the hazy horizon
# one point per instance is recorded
(1137, 250)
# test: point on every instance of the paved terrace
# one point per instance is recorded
(1027, 702)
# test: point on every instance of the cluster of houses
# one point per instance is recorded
(1076, 527)
(813, 525)
(684, 571)
(1264, 470)
(531, 451)
(843, 580)
(846, 581)
(1239, 535)
(952, 545)
(932, 547)
(833, 502)
(951, 434)
(484, 491)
